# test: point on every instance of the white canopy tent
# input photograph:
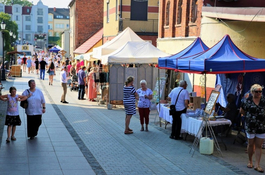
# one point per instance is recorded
(89, 57)
(134, 52)
(109, 47)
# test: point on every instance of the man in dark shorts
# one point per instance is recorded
(42, 68)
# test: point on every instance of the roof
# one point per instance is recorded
(71, 3)
(26, 10)
(86, 46)
(59, 13)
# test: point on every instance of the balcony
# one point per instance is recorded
(149, 26)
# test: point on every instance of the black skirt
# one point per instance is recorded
(13, 120)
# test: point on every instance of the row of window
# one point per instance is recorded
(58, 26)
(50, 17)
(193, 11)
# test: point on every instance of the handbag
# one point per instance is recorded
(48, 71)
(172, 110)
(24, 104)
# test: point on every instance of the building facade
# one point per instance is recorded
(86, 19)
(66, 42)
(58, 22)
(140, 15)
(32, 22)
(181, 21)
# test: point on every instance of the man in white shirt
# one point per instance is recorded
(19, 60)
(182, 96)
(63, 79)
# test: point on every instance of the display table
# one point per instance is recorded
(189, 125)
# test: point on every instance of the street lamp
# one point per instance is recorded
(19, 39)
(3, 27)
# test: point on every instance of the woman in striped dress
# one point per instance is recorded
(129, 96)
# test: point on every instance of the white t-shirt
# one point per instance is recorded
(184, 95)
(63, 77)
(19, 61)
(144, 102)
(35, 102)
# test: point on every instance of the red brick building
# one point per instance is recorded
(179, 18)
(86, 19)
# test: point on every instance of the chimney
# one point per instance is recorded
(54, 9)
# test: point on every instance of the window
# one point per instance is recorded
(167, 13)
(50, 17)
(40, 11)
(16, 9)
(28, 37)
(139, 10)
(49, 27)
(59, 16)
(40, 20)
(179, 12)
(40, 29)
(28, 27)
(194, 8)
(27, 18)
(17, 18)
(67, 17)
(57, 34)
(1, 9)
(27, 10)
(67, 26)
(50, 33)
(59, 26)
(108, 12)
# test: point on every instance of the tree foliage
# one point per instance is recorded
(10, 26)
(20, 2)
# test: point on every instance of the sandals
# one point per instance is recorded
(13, 138)
(130, 129)
(7, 140)
(128, 132)
(142, 129)
(250, 165)
(259, 169)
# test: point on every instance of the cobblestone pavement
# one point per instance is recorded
(98, 132)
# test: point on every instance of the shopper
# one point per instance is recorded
(253, 110)
(36, 107)
(92, 90)
(37, 65)
(63, 78)
(42, 68)
(81, 83)
(180, 98)
(12, 114)
(129, 96)
(51, 70)
(144, 103)
(29, 64)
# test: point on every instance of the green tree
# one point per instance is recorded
(10, 26)
(20, 2)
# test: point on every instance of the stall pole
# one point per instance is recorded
(159, 95)
(205, 89)
(109, 105)
(193, 82)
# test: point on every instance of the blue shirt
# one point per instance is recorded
(81, 76)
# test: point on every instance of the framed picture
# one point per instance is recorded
(211, 102)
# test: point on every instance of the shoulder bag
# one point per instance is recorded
(24, 104)
(172, 110)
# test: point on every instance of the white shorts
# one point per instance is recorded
(252, 136)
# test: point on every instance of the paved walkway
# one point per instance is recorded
(84, 138)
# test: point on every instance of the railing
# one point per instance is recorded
(151, 25)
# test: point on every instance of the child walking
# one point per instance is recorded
(12, 114)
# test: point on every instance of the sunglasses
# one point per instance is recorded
(258, 91)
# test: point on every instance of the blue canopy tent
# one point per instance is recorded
(54, 49)
(224, 57)
(171, 62)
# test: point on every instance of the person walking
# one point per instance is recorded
(42, 68)
(51, 70)
(29, 64)
(180, 98)
(253, 110)
(63, 78)
(92, 90)
(129, 96)
(12, 114)
(81, 83)
(24, 60)
(144, 103)
(37, 65)
(36, 107)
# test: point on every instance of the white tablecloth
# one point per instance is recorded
(189, 125)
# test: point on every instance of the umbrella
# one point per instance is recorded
(54, 49)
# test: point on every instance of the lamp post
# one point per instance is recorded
(19, 39)
(14, 36)
(3, 27)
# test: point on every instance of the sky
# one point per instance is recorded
(53, 3)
